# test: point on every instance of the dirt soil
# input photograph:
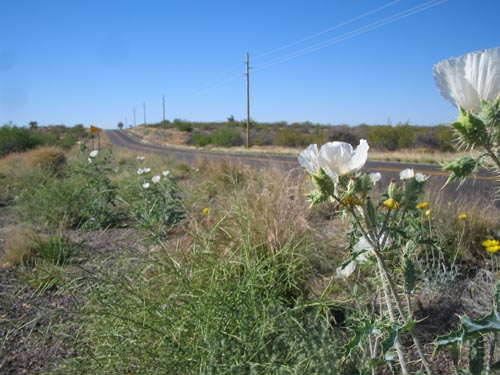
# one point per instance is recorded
(38, 329)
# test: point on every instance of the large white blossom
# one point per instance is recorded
(156, 179)
(308, 159)
(340, 158)
(467, 79)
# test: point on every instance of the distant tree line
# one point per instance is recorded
(15, 139)
(380, 137)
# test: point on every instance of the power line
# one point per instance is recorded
(351, 34)
(326, 30)
(232, 77)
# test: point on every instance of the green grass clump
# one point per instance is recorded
(198, 311)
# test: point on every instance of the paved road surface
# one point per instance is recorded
(480, 184)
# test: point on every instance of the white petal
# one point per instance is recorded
(375, 177)
(360, 156)
(308, 159)
(93, 153)
(420, 177)
(145, 185)
(467, 79)
(336, 156)
(155, 179)
(347, 270)
(406, 174)
(165, 173)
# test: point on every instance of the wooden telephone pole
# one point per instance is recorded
(248, 99)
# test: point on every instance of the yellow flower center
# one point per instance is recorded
(422, 205)
(390, 204)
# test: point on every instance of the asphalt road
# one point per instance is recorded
(482, 183)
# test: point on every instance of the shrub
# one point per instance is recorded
(50, 159)
(200, 139)
(14, 139)
(226, 137)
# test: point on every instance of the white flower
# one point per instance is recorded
(467, 79)
(308, 158)
(94, 153)
(147, 170)
(145, 185)
(407, 174)
(89, 160)
(141, 158)
(140, 171)
(375, 177)
(155, 179)
(339, 158)
(347, 270)
(420, 177)
(361, 245)
(165, 173)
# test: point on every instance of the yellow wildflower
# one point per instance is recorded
(488, 243)
(491, 246)
(206, 211)
(493, 249)
(390, 203)
(462, 216)
(422, 205)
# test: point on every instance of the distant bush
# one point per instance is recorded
(200, 139)
(387, 137)
(15, 139)
(183, 125)
(226, 137)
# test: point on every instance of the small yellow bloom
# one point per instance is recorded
(488, 243)
(422, 205)
(462, 216)
(390, 204)
(491, 246)
(428, 212)
(493, 249)
(206, 211)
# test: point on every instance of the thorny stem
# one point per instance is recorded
(386, 279)
(492, 155)
(390, 309)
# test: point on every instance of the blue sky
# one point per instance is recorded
(92, 62)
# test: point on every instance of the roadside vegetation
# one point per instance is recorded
(232, 133)
(115, 262)
(118, 263)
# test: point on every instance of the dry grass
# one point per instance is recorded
(463, 235)
(48, 158)
(18, 243)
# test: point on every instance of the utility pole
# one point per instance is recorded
(248, 100)
(135, 123)
(144, 106)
